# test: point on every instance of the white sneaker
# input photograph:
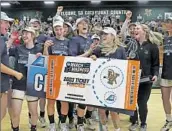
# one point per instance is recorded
(133, 127)
(42, 122)
(52, 127)
(71, 124)
(104, 128)
(143, 128)
(95, 115)
(167, 126)
(117, 129)
(89, 124)
(63, 127)
(80, 127)
(75, 119)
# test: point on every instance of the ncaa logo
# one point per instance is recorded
(112, 77)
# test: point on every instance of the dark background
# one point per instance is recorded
(29, 8)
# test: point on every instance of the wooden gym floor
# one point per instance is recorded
(155, 120)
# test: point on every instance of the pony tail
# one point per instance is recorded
(156, 38)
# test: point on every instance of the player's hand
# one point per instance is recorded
(93, 57)
(38, 55)
(128, 15)
(18, 76)
(48, 43)
(59, 9)
(154, 78)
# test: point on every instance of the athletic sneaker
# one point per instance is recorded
(133, 127)
(95, 115)
(52, 127)
(63, 127)
(80, 127)
(89, 124)
(119, 129)
(167, 126)
(104, 128)
(58, 123)
(42, 122)
(33, 129)
(71, 124)
(75, 119)
(143, 128)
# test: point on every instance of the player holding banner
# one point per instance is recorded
(109, 48)
(57, 45)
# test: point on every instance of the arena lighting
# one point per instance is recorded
(49, 2)
(5, 4)
(95, 1)
(143, 1)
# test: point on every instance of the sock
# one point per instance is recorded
(117, 129)
(42, 114)
(80, 120)
(63, 118)
(51, 119)
(168, 117)
(107, 113)
(143, 124)
(16, 128)
(71, 119)
(29, 115)
(33, 128)
(88, 114)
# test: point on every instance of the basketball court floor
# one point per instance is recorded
(155, 121)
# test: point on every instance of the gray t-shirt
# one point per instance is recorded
(60, 47)
(4, 84)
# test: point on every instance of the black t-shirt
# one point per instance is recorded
(21, 53)
(167, 59)
(4, 84)
(60, 47)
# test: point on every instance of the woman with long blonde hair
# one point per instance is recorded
(109, 48)
(148, 55)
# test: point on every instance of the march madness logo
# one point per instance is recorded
(75, 67)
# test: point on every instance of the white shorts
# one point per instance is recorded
(17, 94)
(166, 83)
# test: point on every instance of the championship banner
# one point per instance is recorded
(106, 83)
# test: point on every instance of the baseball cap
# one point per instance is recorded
(69, 24)
(95, 36)
(81, 19)
(58, 21)
(34, 20)
(29, 29)
(169, 18)
(5, 17)
(131, 24)
(109, 30)
(74, 27)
